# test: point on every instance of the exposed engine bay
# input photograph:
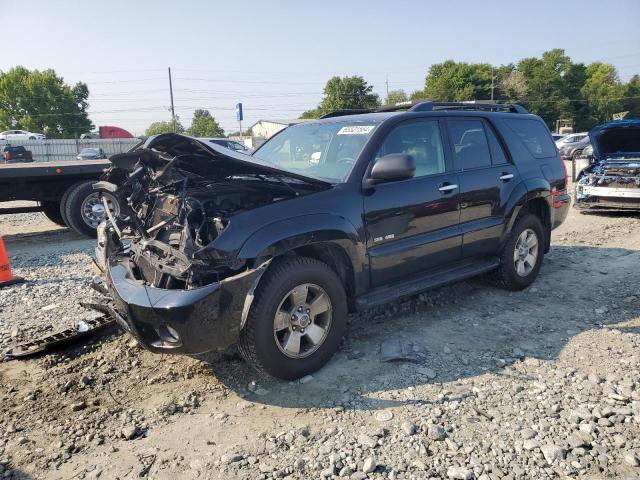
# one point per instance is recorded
(175, 203)
(619, 173)
(612, 178)
(612, 183)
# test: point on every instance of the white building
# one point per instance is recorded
(265, 129)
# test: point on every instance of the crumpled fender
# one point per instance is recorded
(279, 237)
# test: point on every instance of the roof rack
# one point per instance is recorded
(428, 106)
(347, 111)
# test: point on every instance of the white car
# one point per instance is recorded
(571, 138)
(21, 135)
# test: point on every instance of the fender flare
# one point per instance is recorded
(283, 236)
(525, 192)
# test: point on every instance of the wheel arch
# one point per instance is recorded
(328, 238)
(535, 200)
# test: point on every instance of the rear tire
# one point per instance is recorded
(264, 340)
(51, 210)
(517, 271)
(63, 202)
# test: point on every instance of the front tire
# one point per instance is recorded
(297, 318)
(522, 255)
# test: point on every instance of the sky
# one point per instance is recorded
(275, 57)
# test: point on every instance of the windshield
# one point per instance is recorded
(326, 151)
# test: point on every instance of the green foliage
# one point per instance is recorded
(551, 86)
(546, 89)
(345, 93)
(396, 96)
(156, 128)
(418, 95)
(631, 100)
(204, 125)
(452, 81)
(603, 91)
(40, 102)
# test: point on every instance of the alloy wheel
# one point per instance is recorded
(302, 320)
(525, 254)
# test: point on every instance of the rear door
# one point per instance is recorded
(412, 225)
(487, 179)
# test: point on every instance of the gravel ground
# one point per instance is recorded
(542, 383)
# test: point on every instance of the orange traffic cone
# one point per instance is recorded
(6, 277)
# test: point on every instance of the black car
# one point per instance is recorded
(353, 210)
(609, 175)
(91, 154)
(11, 154)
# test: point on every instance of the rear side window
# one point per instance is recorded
(497, 153)
(534, 135)
(470, 143)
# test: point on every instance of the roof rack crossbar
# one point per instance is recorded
(428, 106)
(347, 111)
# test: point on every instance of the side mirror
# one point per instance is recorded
(393, 167)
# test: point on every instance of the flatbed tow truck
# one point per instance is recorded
(63, 190)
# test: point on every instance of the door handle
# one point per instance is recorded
(505, 177)
(447, 188)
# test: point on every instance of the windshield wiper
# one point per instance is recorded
(280, 180)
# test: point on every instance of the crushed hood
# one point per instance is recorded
(203, 159)
(617, 139)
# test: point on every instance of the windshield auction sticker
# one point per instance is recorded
(356, 130)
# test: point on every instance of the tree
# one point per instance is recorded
(513, 86)
(631, 97)
(40, 101)
(343, 94)
(452, 81)
(204, 125)
(602, 91)
(546, 92)
(396, 96)
(156, 128)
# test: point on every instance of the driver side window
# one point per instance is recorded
(422, 140)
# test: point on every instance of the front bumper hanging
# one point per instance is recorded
(177, 321)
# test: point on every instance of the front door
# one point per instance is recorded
(413, 225)
(487, 180)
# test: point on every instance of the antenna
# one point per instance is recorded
(173, 112)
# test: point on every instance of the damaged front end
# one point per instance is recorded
(168, 279)
(612, 180)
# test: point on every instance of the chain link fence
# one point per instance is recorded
(67, 149)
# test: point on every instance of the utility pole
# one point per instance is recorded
(387, 84)
(173, 112)
(492, 82)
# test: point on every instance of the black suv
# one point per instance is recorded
(353, 210)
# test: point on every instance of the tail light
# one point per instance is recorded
(7, 155)
(566, 176)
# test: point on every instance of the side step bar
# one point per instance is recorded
(423, 282)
